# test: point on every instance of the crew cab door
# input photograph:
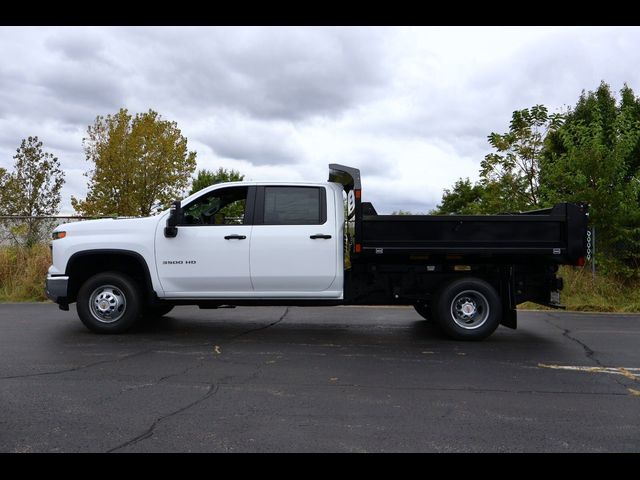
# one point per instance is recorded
(209, 257)
(294, 249)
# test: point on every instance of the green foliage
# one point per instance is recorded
(590, 153)
(606, 292)
(464, 198)
(32, 189)
(205, 178)
(22, 270)
(3, 190)
(141, 164)
(593, 158)
(401, 212)
(233, 212)
(509, 177)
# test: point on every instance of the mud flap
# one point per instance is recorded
(507, 293)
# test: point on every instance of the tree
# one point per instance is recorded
(401, 212)
(141, 164)
(3, 189)
(593, 158)
(510, 177)
(513, 172)
(3, 181)
(205, 178)
(463, 199)
(31, 190)
(590, 153)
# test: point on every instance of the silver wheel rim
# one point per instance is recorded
(470, 309)
(107, 304)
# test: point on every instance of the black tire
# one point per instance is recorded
(423, 310)
(157, 311)
(109, 302)
(467, 309)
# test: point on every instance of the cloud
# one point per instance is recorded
(81, 45)
(91, 88)
(240, 138)
(272, 73)
(554, 70)
(410, 107)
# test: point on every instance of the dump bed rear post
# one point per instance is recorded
(507, 293)
(350, 179)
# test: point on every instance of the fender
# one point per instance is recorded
(139, 259)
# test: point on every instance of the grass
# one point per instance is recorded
(605, 293)
(23, 271)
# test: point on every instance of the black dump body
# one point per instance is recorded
(556, 234)
(406, 259)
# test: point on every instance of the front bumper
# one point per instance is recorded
(56, 288)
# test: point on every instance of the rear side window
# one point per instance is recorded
(294, 206)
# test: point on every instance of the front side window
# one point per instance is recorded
(225, 206)
(294, 206)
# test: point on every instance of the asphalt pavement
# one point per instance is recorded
(334, 379)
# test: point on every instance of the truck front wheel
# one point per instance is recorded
(468, 309)
(109, 303)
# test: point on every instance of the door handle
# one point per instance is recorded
(235, 237)
(320, 235)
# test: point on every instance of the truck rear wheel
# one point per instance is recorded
(109, 303)
(468, 309)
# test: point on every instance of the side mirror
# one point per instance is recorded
(171, 230)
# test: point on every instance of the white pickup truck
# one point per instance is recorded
(254, 243)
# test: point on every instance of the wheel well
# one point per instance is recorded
(492, 279)
(83, 265)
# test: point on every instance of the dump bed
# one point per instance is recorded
(558, 233)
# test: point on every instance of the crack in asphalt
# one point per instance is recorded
(212, 388)
(153, 384)
(125, 357)
(286, 311)
(81, 367)
(589, 352)
(261, 365)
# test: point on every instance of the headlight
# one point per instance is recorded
(57, 235)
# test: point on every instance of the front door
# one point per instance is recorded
(209, 257)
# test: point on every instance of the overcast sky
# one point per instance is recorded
(410, 107)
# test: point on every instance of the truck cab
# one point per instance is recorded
(249, 240)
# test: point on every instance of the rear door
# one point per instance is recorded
(294, 248)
